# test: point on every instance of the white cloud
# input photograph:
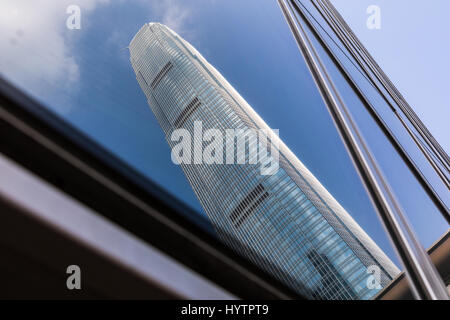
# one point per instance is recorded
(35, 52)
(38, 51)
(175, 15)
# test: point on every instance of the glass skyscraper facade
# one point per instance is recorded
(287, 223)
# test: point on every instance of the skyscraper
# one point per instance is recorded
(287, 222)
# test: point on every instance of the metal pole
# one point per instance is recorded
(412, 166)
(425, 281)
(382, 78)
(436, 149)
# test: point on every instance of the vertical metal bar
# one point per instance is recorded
(425, 281)
(426, 185)
(346, 37)
(436, 149)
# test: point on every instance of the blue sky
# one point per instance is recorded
(85, 76)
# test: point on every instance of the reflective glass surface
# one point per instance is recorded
(128, 85)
